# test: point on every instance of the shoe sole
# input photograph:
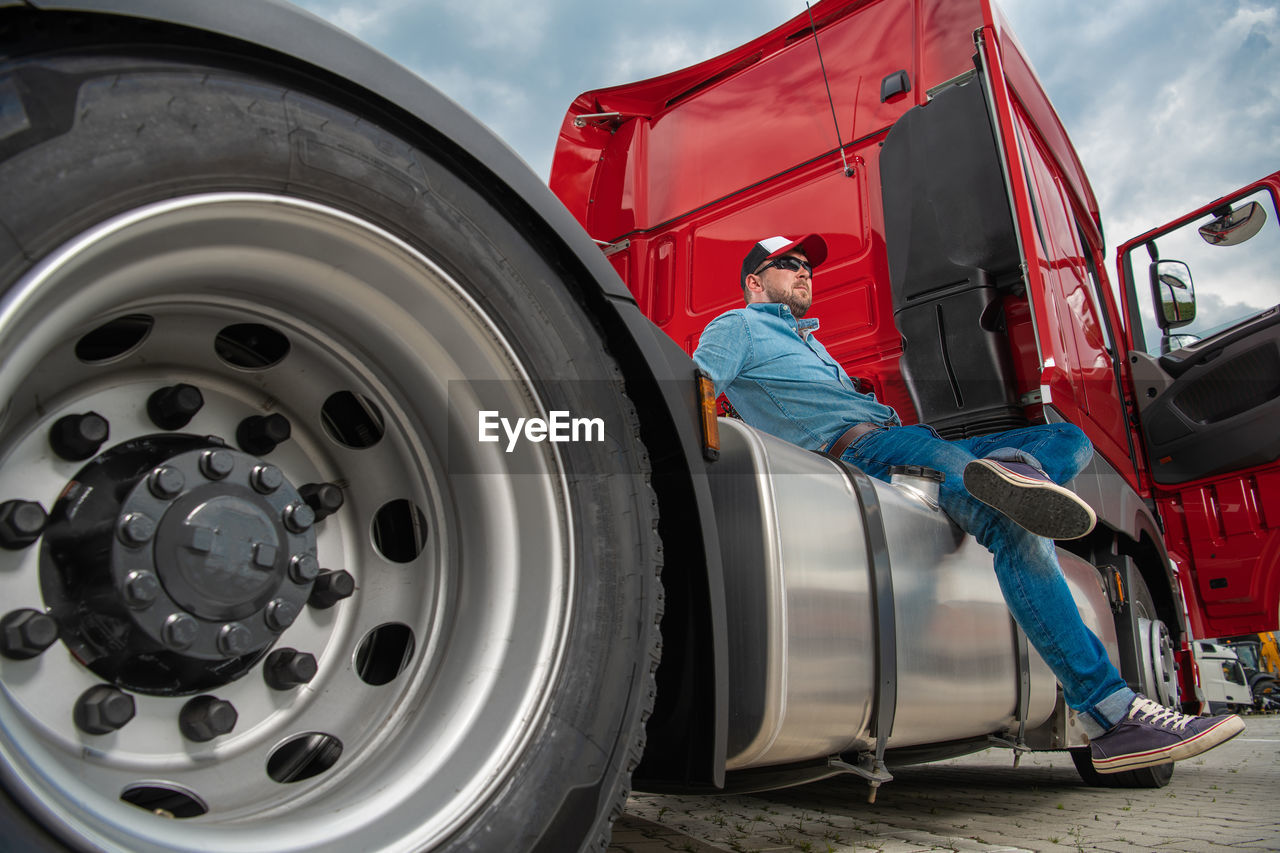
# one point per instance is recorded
(1180, 751)
(1045, 509)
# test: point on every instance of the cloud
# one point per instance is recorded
(1169, 105)
(515, 29)
(364, 20)
(479, 33)
(641, 56)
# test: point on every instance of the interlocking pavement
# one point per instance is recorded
(1225, 800)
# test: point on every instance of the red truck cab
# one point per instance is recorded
(406, 635)
(967, 282)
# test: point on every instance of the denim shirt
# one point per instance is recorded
(781, 379)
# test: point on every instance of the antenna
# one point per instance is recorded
(848, 172)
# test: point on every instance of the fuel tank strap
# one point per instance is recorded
(886, 625)
(1024, 691)
(1018, 743)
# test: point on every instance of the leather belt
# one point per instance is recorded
(848, 437)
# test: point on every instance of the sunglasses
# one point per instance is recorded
(788, 263)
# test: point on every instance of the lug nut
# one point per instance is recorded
(77, 437)
(174, 406)
(216, 464)
(264, 556)
(26, 633)
(21, 523)
(330, 588)
(287, 668)
(197, 537)
(259, 434)
(141, 589)
(304, 568)
(136, 529)
(324, 498)
(234, 639)
(280, 614)
(299, 518)
(102, 709)
(266, 478)
(180, 631)
(166, 483)
(206, 717)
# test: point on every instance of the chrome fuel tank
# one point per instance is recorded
(797, 593)
(802, 540)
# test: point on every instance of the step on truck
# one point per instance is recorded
(357, 490)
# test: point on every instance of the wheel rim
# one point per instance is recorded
(392, 741)
(1164, 665)
(1159, 664)
(1267, 696)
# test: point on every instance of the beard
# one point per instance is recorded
(797, 300)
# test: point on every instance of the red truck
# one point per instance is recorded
(359, 492)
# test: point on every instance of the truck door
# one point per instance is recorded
(1200, 436)
(1073, 368)
(1204, 334)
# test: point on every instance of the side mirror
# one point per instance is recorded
(1171, 289)
(1233, 227)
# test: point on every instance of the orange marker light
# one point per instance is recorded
(710, 424)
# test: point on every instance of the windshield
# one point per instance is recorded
(1248, 655)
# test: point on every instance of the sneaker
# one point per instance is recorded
(1028, 497)
(1152, 734)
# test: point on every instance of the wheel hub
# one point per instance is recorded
(172, 563)
(438, 623)
(220, 554)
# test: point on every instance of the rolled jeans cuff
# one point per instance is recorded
(1104, 716)
(1013, 454)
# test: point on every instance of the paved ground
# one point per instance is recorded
(1225, 800)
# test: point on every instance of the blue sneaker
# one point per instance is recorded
(1024, 494)
(1152, 734)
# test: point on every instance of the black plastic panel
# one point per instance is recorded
(1220, 414)
(956, 363)
(946, 209)
(951, 242)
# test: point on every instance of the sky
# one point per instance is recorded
(1170, 103)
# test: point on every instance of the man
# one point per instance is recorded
(1002, 488)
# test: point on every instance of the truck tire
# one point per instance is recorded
(1154, 682)
(1266, 694)
(246, 323)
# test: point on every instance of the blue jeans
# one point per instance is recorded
(1026, 565)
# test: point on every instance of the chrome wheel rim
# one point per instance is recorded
(1164, 665)
(1159, 664)
(481, 585)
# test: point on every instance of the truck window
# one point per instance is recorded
(1232, 283)
(1232, 671)
(1248, 654)
(1095, 289)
